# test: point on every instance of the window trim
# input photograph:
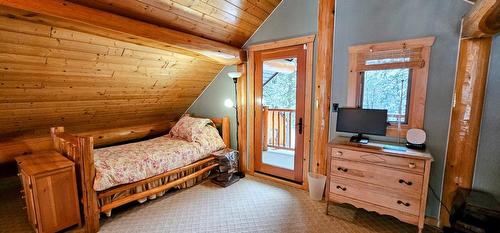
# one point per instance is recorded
(419, 77)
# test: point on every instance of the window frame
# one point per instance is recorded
(418, 79)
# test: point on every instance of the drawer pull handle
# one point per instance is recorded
(341, 188)
(339, 153)
(409, 183)
(342, 169)
(412, 165)
(22, 197)
(404, 203)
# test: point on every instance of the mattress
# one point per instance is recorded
(128, 163)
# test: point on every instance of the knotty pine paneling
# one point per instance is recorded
(52, 76)
(228, 21)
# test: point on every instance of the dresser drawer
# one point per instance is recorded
(398, 180)
(414, 165)
(374, 195)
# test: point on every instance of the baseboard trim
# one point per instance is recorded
(432, 221)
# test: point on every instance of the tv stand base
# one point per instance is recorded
(359, 139)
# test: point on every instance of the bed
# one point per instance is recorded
(113, 176)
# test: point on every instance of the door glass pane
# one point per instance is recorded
(279, 86)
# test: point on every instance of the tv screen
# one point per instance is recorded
(362, 121)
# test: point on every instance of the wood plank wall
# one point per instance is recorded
(52, 76)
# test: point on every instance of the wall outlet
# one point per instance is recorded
(335, 107)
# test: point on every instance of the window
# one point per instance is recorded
(392, 76)
(387, 89)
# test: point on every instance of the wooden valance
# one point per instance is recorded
(390, 59)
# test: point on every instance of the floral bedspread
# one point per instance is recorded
(132, 162)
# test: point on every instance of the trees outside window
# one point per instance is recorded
(387, 89)
(280, 91)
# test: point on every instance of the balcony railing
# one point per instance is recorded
(279, 128)
(394, 118)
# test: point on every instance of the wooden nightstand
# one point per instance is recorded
(50, 191)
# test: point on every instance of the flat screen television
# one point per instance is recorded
(362, 121)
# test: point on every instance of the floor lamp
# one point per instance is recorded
(235, 76)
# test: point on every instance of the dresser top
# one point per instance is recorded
(42, 162)
(378, 147)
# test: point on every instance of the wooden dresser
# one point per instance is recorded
(386, 181)
(50, 191)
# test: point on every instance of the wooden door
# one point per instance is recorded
(287, 123)
(56, 199)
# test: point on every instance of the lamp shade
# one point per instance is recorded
(234, 75)
(228, 103)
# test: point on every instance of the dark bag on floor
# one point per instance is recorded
(228, 166)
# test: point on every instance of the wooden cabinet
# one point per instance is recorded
(50, 191)
(387, 181)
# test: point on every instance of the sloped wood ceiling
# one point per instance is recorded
(228, 21)
(53, 74)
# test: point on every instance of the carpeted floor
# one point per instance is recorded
(13, 217)
(250, 205)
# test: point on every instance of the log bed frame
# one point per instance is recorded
(79, 149)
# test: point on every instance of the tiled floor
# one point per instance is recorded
(250, 205)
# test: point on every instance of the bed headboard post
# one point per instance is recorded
(89, 196)
(55, 142)
(80, 149)
(226, 131)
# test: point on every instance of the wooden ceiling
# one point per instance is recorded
(227, 21)
(108, 64)
(54, 76)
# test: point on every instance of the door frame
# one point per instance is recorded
(281, 53)
(309, 42)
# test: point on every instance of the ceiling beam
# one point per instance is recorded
(122, 28)
(482, 20)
